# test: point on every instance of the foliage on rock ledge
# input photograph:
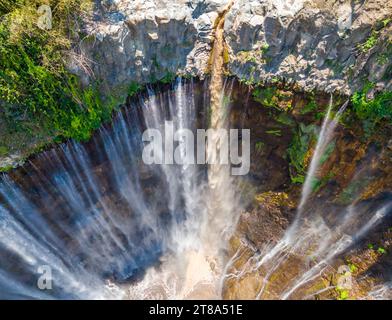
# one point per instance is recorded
(35, 86)
(372, 110)
(299, 151)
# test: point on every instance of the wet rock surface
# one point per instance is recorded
(281, 253)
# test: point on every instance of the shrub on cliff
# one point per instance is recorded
(372, 110)
(34, 83)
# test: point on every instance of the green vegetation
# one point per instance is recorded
(277, 132)
(168, 78)
(266, 96)
(372, 40)
(353, 190)
(318, 183)
(3, 151)
(369, 43)
(253, 56)
(309, 107)
(372, 111)
(386, 21)
(343, 294)
(353, 267)
(297, 151)
(259, 146)
(285, 119)
(6, 168)
(328, 151)
(381, 250)
(247, 55)
(264, 48)
(275, 80)
(36, 89)
(133, 88)
(383, 58)
(342, 290)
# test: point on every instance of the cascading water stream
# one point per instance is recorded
(89, 212)
(325, 136)
(213, 224)
(222, 192)
(311, 243)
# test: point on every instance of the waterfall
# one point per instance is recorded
(325, 137)
(100, 217)
(381, 292)
(223, 202)
(213, 222)
(315, 238)
(110, 226)
(307, 251)
(90, 211)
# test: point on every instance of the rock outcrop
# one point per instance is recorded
(144, 41)
(324, 45)
(328, 45)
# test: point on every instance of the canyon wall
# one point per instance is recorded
(330, 46)
(326, 45)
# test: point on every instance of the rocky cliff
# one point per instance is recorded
(327, 45)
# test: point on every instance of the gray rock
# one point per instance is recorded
(313, 43)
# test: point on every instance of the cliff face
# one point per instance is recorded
(319, 44)
(328, 45)
(143, 41)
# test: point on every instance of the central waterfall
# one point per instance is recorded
(223, 203)
(195, 268)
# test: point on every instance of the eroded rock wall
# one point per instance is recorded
(144, 41)
(328, 45)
